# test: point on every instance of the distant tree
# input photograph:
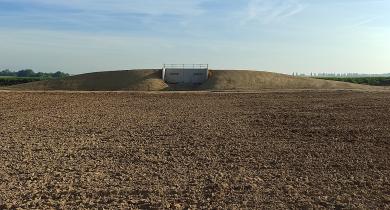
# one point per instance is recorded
(7, 72)
(40, 74)
(59, 74)
(25, 73)
(31, 73)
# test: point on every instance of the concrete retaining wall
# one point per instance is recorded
(185, 76)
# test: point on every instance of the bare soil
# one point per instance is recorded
(267, 150)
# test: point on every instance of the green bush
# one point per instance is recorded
(8, 81)
(375, 81)
(31, 73)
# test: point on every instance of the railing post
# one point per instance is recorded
(185, 66)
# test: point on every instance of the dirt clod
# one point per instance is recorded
(266, 150)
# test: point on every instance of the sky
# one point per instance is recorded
(286, 36)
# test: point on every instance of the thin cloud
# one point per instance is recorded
(266, 11)
(100, 15)
(150, 7)
(349, 2)
(365, 21)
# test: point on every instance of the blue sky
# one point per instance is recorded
(284, 36)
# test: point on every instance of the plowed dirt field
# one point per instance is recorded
(267, 150)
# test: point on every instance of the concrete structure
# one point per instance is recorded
(185, 74)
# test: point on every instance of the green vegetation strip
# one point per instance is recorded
(375, 81)
(8, 81)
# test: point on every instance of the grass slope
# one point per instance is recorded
(150, 80)
(259, 80)
(137, 80)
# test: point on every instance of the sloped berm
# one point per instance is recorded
(219, 80)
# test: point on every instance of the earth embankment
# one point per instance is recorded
(219, 80)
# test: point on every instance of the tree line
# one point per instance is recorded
(31, 73)
(344, 75)
(376, 81)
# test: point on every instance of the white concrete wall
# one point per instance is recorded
(185, 76)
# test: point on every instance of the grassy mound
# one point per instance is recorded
(135, 80)
(150, 80)
(259, 80)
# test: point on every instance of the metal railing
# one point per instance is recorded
(186, 66)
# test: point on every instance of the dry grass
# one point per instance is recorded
(150, 80)
(136, 80)
(259, 80)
